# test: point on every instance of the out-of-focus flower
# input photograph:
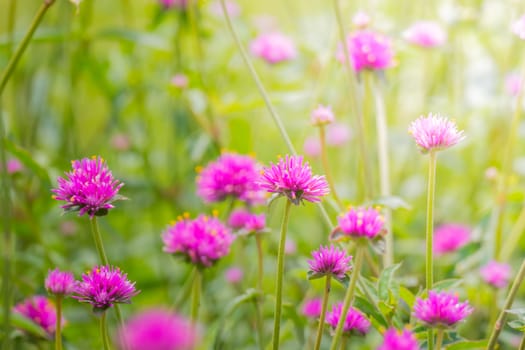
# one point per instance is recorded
(496, 274)
(312, 147)
(312, 308)
(337, 134)
(322, 115)
(435, 133)
(450, 237)
(361, 20)
(60, 282)
(232, 8)
(518, 27)
(180, 4)
(244, 220)
(491, 173)
(355, 323)
(399, 340)
(329, 261)
(13, 166)
(238, 218)
(40, 310)
(234, 275)
(425, 34)
(360, 222)
(513, 84)
(180, 80)
(273, 47)
(368, 50)
(441, 310)
(121, 142)
(290, 247)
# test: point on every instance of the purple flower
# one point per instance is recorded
(273, 47)
(104, 286)
(234, 274)
(89, 188)
(202, 241)
(40, 310)
(360, 222)
(231, 175)
(496, 274)
(399, 340)
(157, 329)
(60, 283)
(425, 34)
(441, 309)
(247, 222)
(355, 321)
(292, 178)
(518, 27)
(367, 50)
(434, 133)
(322, 115)
(450, 237)
(13, 166)
(312, 308)
(329, 261)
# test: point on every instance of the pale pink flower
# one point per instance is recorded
(312, 308)
(180, 80)
(425, 34)
(337, 134)
(518, 27)
(496, 274)
(232, 8)
(234, 275)
(399, 340)
(513, 84)
(273, 47)
(361, 20)
(312, 147)
(435, 133)
(120, 142)
(290, 247)
(322, 115)
(14, 166)
(450, 237)
(367, 50)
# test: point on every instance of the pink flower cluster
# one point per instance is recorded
(367, 50)
(355, 321)
(441, 309)
(40, 310)
(273, 47)
(425, 34)
(329, 261)
(435, 133)
(322, 115)
(399, 340)
(247, 222)
(312, 308)
(450, 237)
(496, 274)
(360, 222)
(60, 283)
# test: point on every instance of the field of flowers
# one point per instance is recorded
(232, 174)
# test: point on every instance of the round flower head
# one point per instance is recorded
(312, 147)
(234, 275)
(273, 47)
(322, 115)
(518, 27)
(425, 34)
(312, 308)
(40, 310)
(103, 287)
(60, 283)
(450, 237)
(13, 166)
(247, 222)
(360, 222)
(361, 20)
(293, 179)
(202, 241)
(441, 309)
(157, 329)
(231, 175)
(180, 80)
(329, 261)
(89, 188)
(367, 50)
(337, 134)
(355, 323)
(496, 274)
(434, 133)
(399, 340)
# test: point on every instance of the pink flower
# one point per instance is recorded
(425, 34)
(368, 50)
(513, 84)
(14, 166)
(234, 275)
(232, 8)
(399, 340)
(355, 321)
(157, 329)
(290, 247)
(238, 218)
(496, 274)
(450, 237)
(329, 261)
(120, 142)
(361, 20)
(360, 222)
(60, 283)
(518, 27)
(322, 115)
(434, 133)
(293, 179)
(337, 134)
(273, 47)
(312, 147)
(180, 80)
(441, 309)
(312, 308)
(40, 310)
(242, 219)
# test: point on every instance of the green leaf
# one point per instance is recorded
(467, 344)
(312, 275)
(365, 306)
(407, 296)
(27, 325)
(517, 325)
(451, 283)
(392, 202)
(386, 282)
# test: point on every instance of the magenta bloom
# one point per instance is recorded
(518, 27)
(234, 275)
(89, 188)
(441, 309)
(496, 274)
(157, 329)
(40, 310)
(355, 321)
(231, 175)
(368, 50)
(329, 261)
(426, 34)
(202, 241)
(434, 133)
(322, 115)
(293, 179)
(450, 237)
(238, 218)
(59, 282)
(247, 222)
(13, 166)
(312, 308)
(103, 287)
(273, 47)
(360, 222)
(399, 340)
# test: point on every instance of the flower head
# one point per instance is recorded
(244, 220)
(399, 340)
(232, 7)
(13, 166)
(518, 27)
(361, 20)
(103, 287)
(367, 50)
(40, 310)
(293, 178)
(496, 274)
(180, 80)
(441, 309)
(360, 222)
(157, 329)
(425, 34)
(435, 133)
(312, 308)
(89, 189)
(355, 321)
(231, 175)
(273, 47)
(329, 261)
(322, 115)
(450, 237)
(201, 241)
(59, 282)
(234, 274)
(337, 134)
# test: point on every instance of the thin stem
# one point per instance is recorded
(500, 322)
(260, 266)
(360, 250)
(326, 167)
(184, 291)
(259, 322)
(430, 219)
(320, 327)
(104, 331)
(11, 18)
(58, 330)
(439, 339)
(279, 277)
(196, 295)
(512, 241)
(522, 343)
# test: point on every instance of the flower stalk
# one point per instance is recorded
(320, 327)
(439, 338)
(326, 167)
(196, 295)
(104, 331)
(431, 190)
(58, 328)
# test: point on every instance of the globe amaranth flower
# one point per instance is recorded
(329, 261)
(273, 47)
(435, 133)
(89, 189)
(496, 274)
(355, 323)
(322, 115)
(103, 287)
(399, 340)
(201, 241)
(518, 27)
(158, 329)
(40, 310)
(450, 237)
(247, 222)
(293, 179)
(425, 34)
(234, 274)
(231, 175)
(360, 222)
(367, 50)
(441, 309)
(312, 307)
(361, 20)
(60, 282)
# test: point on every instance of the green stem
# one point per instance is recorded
(500, 322)
(320, 327)
(512, 242)
(522, 343)
(326, 167)
(260, 266)
(58, 330)
(360, 250)
(196, 295)
(259, 322)
(279, 277)
(430, 219)
(439, 339)
(11, 17)
(184, 291)
(104, 331)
